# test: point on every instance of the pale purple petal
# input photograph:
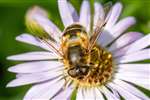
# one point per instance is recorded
(107, 93)
(114, 92)
(114, 15)
(49, 27)
(35, 78)
(138, 80)
(41, 17)
(132, 74)
(109, 35)
(45, 91)
(123, 25)
(98, 13)
(35, 67)
(125, 94)
(80, 94)
(135, 46)
(125, 40)
(27, 38)
(73, 12)
(65, 94)
(30, 56)
(20, 75)
(131, 89)
(141, 68)
(121, 52)
(139, 44)
(136, 56)
(85, 15)
(89, 94)
(98, 94)
(65, 13)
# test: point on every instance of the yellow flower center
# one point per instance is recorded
(94, 68)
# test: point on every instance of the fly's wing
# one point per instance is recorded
(52, 45)
(100, 26)
(107, 10)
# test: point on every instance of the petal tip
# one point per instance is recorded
(132, 19)
(20, 36)
(10, 69)
(10, 84)
(9, 58)
(119, 4)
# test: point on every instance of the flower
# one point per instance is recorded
(118, 67)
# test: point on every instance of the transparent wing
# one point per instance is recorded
(52, 45)
(100, 25)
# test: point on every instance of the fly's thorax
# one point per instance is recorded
(74, 35)
(74, 42)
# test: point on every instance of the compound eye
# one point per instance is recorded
(73, 72)
(84, 70)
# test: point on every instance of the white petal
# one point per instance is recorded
(65, 13)
(139, 80)
(133, 74)
(49, 27)
(108, 94)
(85, 15)
(140, 44)
(143, 68)
(98, 13)
(125, 94)
(20, 74)
(98, 94)
(27, 38)
(73, 12)
(35, 67)
(89, 94)
(110, 35)
(80, 94)
(35, 78)
(38, 55)
(131, 89)
(44, 91)
(125, 39)
(136, 56)
(115, 13)
(64, 94)
(114, 91)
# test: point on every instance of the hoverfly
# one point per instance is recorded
(77, 49)
(81, 52)
(82, 57)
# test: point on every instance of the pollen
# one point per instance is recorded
(85, 65)
(100, 68)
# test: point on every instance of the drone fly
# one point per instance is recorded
(80, 52)
(82, 57)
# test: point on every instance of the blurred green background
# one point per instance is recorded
(12, 24)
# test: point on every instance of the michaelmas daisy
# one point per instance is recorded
(92, 57)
